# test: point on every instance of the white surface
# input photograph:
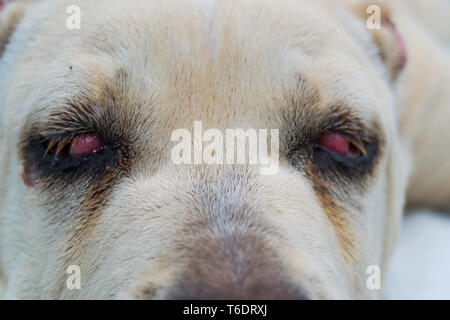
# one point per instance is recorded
(420, 267)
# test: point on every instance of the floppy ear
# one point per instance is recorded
(11, 13)
(380, 22)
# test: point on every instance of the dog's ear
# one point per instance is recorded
(11, 13)
(380, 22)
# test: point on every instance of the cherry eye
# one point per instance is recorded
(340, 144)
(85, 145)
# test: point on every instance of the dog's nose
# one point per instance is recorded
(260, 289)
(238, 265)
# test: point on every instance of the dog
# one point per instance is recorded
(87, 110)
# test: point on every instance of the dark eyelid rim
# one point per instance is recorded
(64, 122)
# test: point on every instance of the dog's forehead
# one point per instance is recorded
(204, 59)
(206, 42)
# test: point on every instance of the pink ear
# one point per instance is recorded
(399, 43)
(392, 48)
(3, 4)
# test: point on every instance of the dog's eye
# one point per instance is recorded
(81, 146)
(63, 154)
(341, 145)
(85, 145)
(71, 157)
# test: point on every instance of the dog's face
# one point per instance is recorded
(88, 177)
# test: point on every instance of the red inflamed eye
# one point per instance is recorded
(340, 144)
(85, 145)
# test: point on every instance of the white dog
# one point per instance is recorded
(87, 110)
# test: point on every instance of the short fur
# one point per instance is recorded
(140, 226)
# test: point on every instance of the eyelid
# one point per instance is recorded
(356, 140)
(71, 118)
(358, 132)
(59, 143)
(359, 145)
